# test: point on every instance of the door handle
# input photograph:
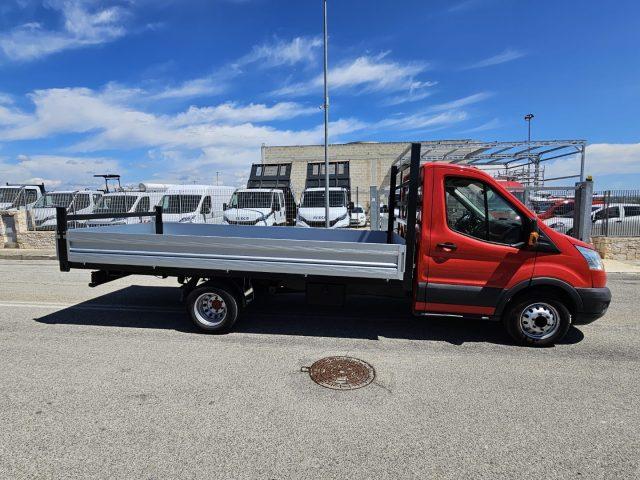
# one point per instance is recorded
(447, 246)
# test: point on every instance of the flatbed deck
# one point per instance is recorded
(275, 250)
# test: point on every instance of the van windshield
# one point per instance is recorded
(316, 199)
(180, 203)
(251, 200)
(7, 195)
(115, 203)
(51, 200)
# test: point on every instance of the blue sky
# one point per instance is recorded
(176, 90)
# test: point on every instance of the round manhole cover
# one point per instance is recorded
(342, 373)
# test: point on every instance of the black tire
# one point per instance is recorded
(525, 317)
(570, 232)
(207, 314)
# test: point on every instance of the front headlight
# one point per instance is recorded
(592, 258)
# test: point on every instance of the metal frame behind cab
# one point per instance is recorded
(258, 178)
(405, 174)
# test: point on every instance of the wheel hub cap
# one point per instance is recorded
(210, 309)
(539, 321)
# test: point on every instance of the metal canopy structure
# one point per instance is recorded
(510, 155)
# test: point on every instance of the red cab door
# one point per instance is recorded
(477, 246)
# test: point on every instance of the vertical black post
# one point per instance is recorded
(412, 206)
(159, 228)
(61, 238)
(392, 203)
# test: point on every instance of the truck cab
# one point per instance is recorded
(256, 206)
(311, 212)
(14, 197)
(139, 200)
(195, 203)
(480, 252)
(43, 212)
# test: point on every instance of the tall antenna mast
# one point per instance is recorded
(325, 106)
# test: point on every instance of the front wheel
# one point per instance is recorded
(212, 309)
(537, 320)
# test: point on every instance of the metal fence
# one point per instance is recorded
(616, 214)
(205, 205)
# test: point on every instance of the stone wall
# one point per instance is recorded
(37, 240)
(22, 237)
(618, 248)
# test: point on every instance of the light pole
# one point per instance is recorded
(325, 106)
(528, 117)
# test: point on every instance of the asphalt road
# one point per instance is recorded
(113, 382)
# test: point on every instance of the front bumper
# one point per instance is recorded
(595, 302)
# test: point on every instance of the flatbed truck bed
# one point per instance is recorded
(246, 249)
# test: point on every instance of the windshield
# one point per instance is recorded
(51, 200)
(115, 203)
(180, 203)
(358, 210)
(316, 199)
(251, 200)
(7, 195)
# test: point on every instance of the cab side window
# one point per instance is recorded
(476, 210)
(143, 205)
(632, 211)
(32, 196)
(206, 206)
(611, 212)
(82, 201)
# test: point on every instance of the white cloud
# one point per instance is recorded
(300, 49)
(369, 73)
(416, 92)
(280, 52)
(83, 26)
(600, 159)
(490, 125)
(224, 137)
(208, 85)
(57, 171)
(231, 112)
(108, 121)
(460, 102)
(506, 56)
(420, 121)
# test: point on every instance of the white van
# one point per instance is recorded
(358, 216)
(312, 208)
(195, 203)
(144, 199)
(256, 206)
(13, 197)
(43, 212)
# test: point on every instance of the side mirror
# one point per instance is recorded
(350, 206)
(534, 234)
(224, 206)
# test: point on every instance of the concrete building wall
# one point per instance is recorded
(369, 163)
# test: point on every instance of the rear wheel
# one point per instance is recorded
(212, 309)
(537, 320)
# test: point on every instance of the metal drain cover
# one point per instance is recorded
(342, 373)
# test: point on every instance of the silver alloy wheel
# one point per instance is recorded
(539, 321)
(210, 309)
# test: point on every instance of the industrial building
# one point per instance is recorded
(370, 162)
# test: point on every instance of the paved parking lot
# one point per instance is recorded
(113, 382)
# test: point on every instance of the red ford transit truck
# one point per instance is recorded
(456, 244)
